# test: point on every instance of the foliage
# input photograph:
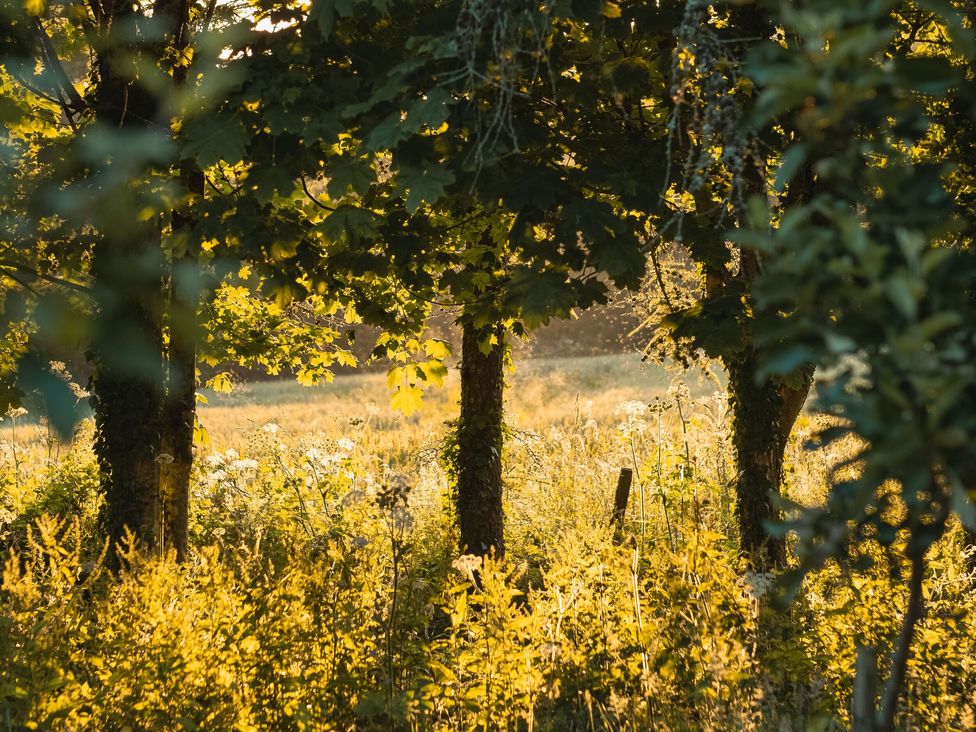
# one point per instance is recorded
(282, 617)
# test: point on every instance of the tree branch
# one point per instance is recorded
(899, 659)
(54, 65)
(312, 198)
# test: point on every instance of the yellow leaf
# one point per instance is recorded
(407, 399)
(221, 383)
(35, 8)
(611, 10)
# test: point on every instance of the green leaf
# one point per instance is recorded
(431, 111)
(347, 172)
(792, 160)
(351, 221)
(325, 12)
(60, 404)
(540, 295)
(424, 184)
(388, 133)
(208, 140)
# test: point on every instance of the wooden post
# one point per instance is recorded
(620, 498)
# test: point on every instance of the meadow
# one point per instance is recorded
(325, 591)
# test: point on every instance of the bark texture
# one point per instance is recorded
(480, 437)
(179, 408)
(126, 350)
(763, 416)
(126, 393)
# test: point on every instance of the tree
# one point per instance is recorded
(698, 296)
(127, 257)
(876, 273)
(457, 156)
(99, 180)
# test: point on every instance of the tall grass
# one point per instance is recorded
(325, 590)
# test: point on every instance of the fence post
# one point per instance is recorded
(620, 498)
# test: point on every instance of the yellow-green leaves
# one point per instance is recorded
(35, 8)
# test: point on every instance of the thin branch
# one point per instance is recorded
(899, 659)
(24, 269)
(33, 89)
(23, 284)
(312, 198)
(54, 64)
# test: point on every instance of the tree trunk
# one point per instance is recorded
(176, 444)
(179, 409)
(126, 349)
(480, 438)
(127, 387)
(763, 416)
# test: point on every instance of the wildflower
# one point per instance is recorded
(632, 429)
(16, 412)
(394, 493)
(78, 391)
(468, 564)
(757, 584)
(346, 444)
(633, 409)
(372, 409)
(271, 428)
(322, 460)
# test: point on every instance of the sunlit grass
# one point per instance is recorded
(284, 617)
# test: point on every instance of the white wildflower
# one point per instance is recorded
(758, 584)
(467, 564)
(632, 409)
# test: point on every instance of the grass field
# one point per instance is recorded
(538, 392)
(325, 589)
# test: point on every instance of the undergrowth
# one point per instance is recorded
(324, 591)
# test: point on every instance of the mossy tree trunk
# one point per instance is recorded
(479, 438)
(127, 273)
(763, 416)
(127, 386)
(179, 408)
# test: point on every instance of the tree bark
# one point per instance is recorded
(763, 416)
(127, 388)
(179, 408)
(480, 438)
(126, 350)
